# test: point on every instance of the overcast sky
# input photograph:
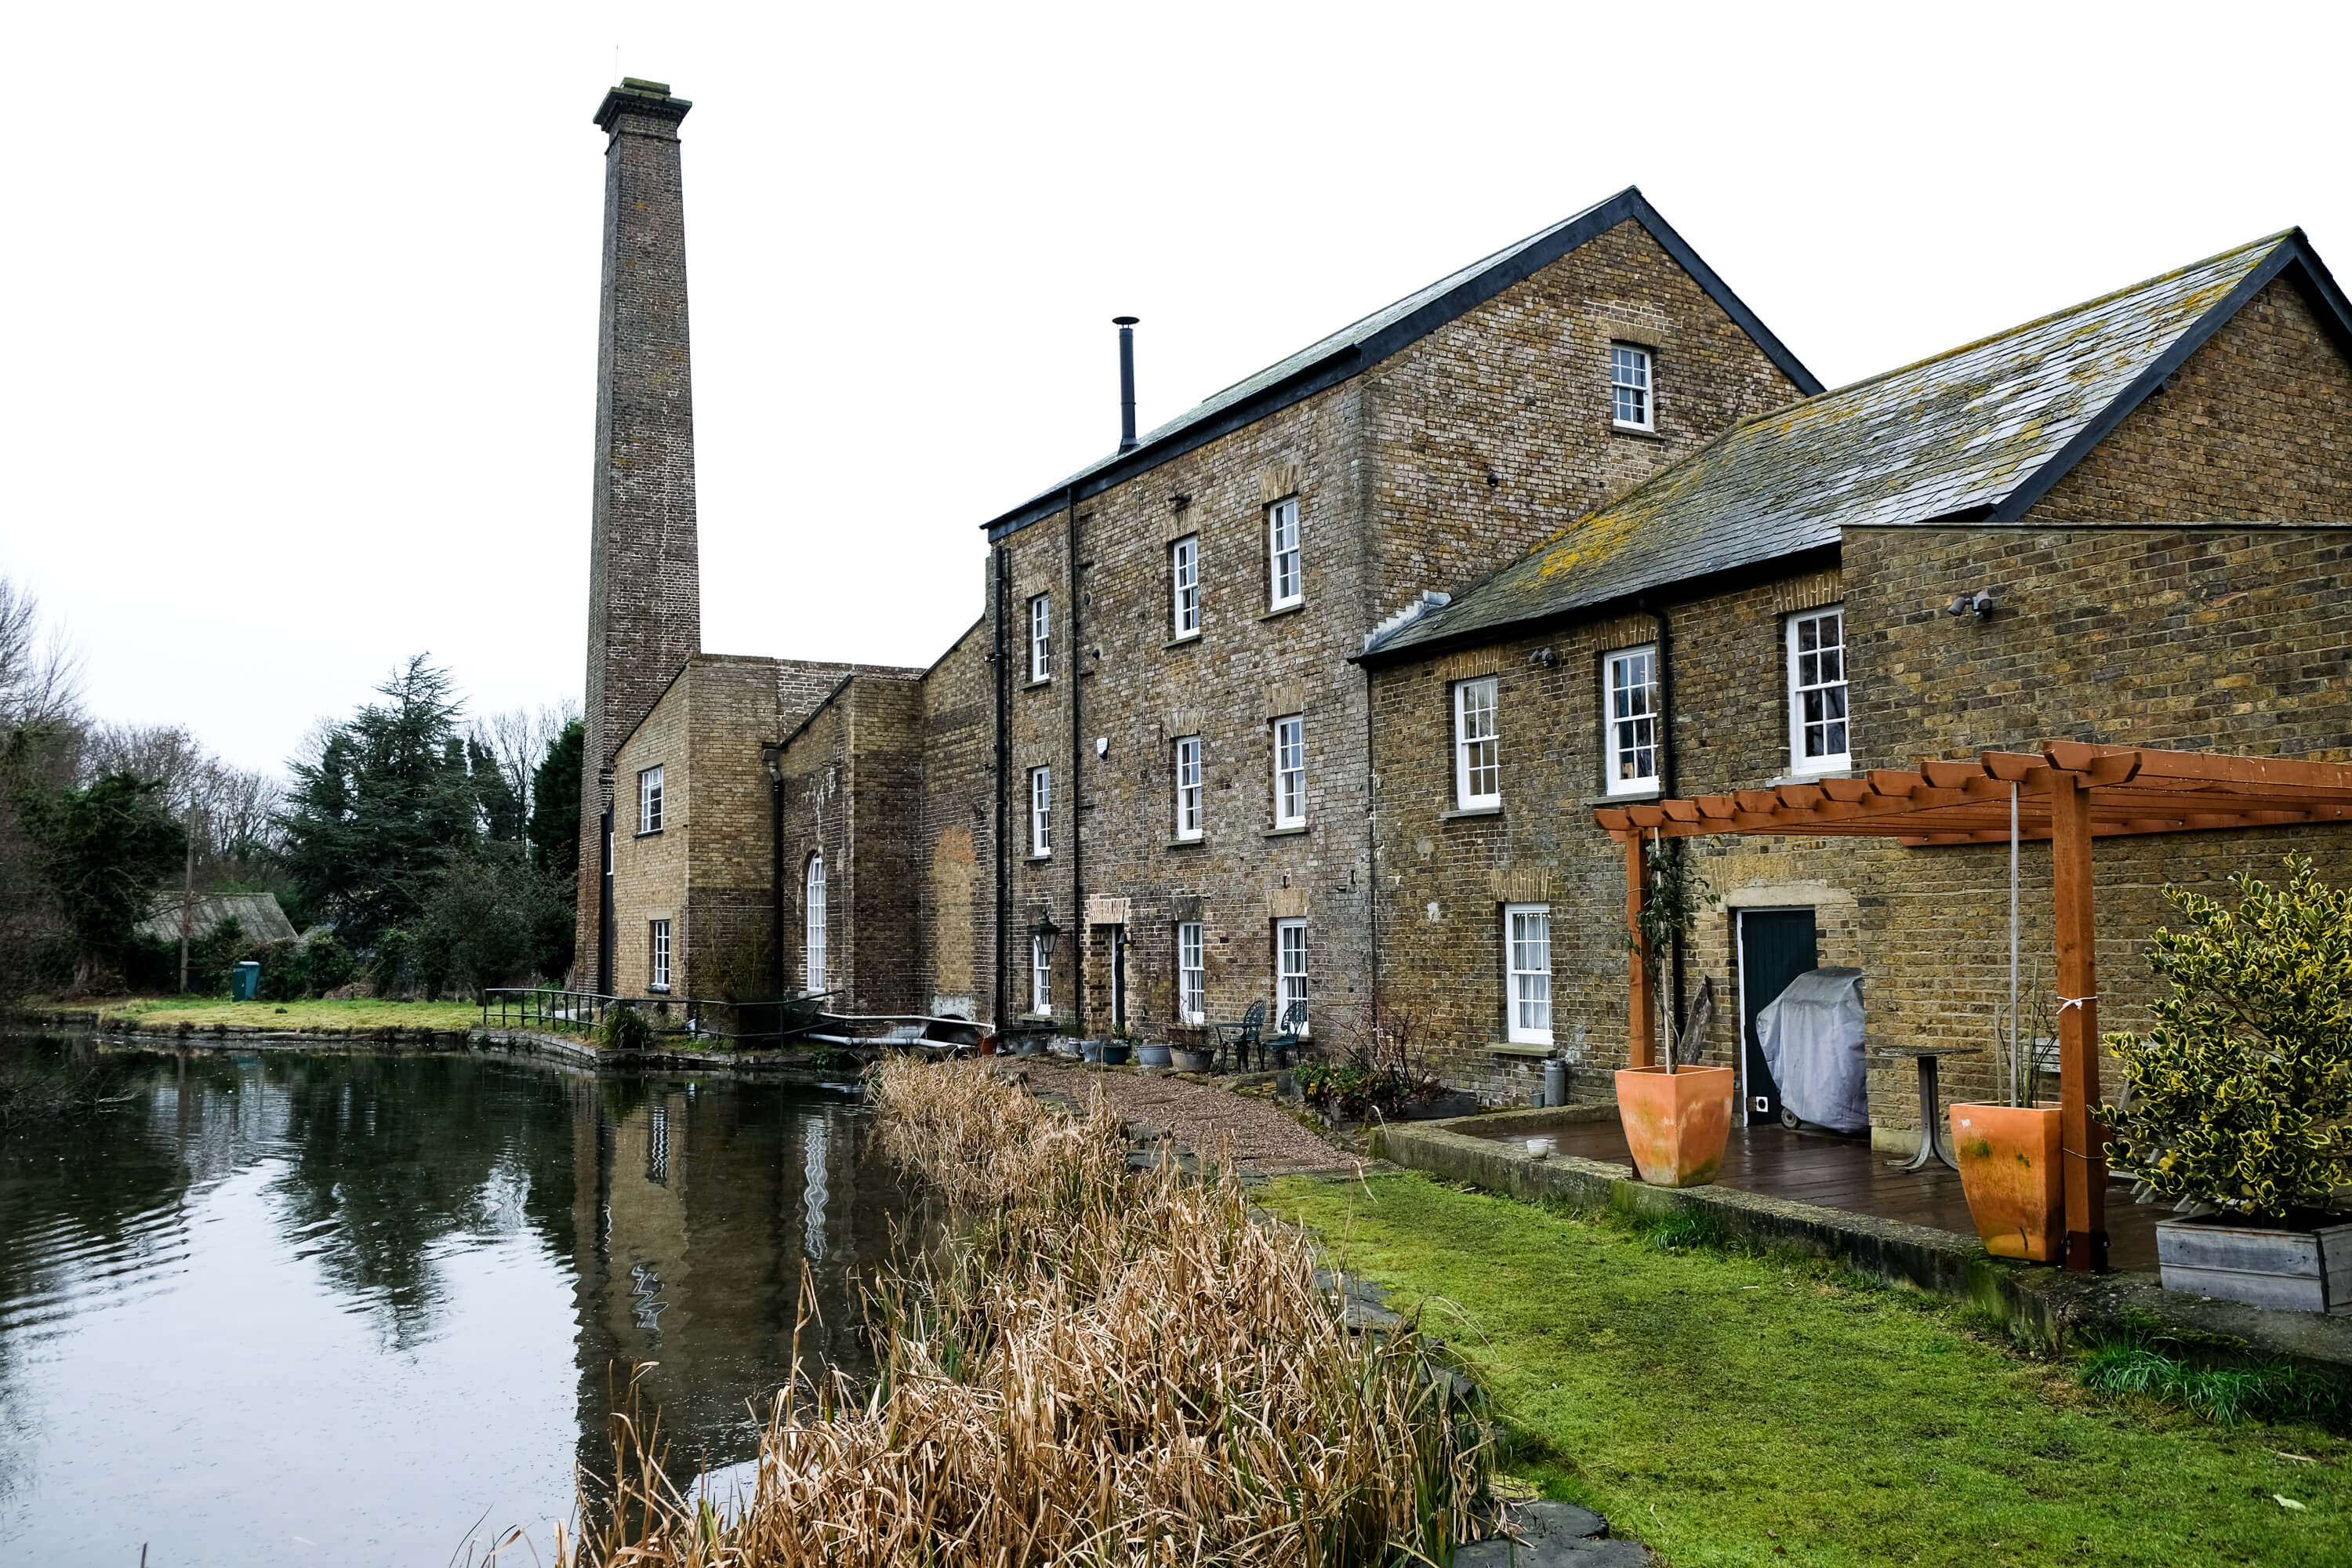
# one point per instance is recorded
(302, 299)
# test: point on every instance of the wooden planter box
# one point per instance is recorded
(2288, 1271)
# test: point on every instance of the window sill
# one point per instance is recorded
(1182, 641)
(1285, 832)
(1047, 856)
(648, 833)
(1291, 608)
(1813, 776)
(1631, 797)
(658, 990)
(1459, 812)
(1197, 841)
(1034, 685)
(1517, 1049)
(1639, 432)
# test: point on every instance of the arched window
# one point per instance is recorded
(813, 944)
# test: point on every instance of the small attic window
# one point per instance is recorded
(1630, 391)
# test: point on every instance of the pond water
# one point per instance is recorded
(350, 1309)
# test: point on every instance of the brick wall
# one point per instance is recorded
(1390, 471)
(956, 925)
(2257, 423)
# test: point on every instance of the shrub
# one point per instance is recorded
(2243, 1089)
(625, 1029)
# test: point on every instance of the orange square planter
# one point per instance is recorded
(2008, 1171)
(1677, 1123)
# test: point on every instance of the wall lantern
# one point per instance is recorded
(1046, 933)
(1980, 603)
(772, 757)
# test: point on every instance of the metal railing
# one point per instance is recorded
(703, 1019)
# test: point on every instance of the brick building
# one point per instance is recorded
(1322, 681)
(2149, 486)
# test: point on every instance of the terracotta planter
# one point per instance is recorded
(2009, 1169)
(1677, 1123)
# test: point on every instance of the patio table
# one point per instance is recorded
(1934, 1141)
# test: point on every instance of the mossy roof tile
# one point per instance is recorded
(1955, 434)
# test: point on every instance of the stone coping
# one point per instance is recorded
(2047, 1304)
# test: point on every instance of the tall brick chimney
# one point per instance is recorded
(645, 590)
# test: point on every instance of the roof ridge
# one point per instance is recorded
(1469, 269)
(2267, 241)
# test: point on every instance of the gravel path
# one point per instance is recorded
(1202, 1117)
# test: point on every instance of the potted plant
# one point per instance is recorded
(1678, 1115)
(2239, 1100)
(2007, 1150)
(1188, 1051)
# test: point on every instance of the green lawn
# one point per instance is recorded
(167, 1012)
(1740, 1409)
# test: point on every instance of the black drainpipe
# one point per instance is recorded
(776, 882)
(1372, 848)
(1004, 586)
(1666, 788)
(1080, 935)
(604, 899)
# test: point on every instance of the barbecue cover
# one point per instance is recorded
(1812, 1036)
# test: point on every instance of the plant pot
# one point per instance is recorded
(1092, 1050)
(2297, 1269)
(1028, 1045)
(1677, 1123)
(2010, 1174)
(1151, 1056)
(987, 1046)
(1184, 1060)
(1114, 1053)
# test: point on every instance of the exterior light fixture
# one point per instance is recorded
(1980, 603)
(1046, 933)
(772, 757)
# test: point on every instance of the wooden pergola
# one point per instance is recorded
(2070, 795)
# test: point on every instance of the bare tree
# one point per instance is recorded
(517, 739)
(40, 672)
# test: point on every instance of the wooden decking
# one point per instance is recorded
(1847, 1173)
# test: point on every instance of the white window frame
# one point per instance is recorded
(1290, 771)
(658, 954)
(1526, 988)
(1041, 978)
(1469, 763)
(1185, 586)
(1289, 981)
(649, 800)
(1041, 813)
(1632, 381)
(1621, 726)
(1041, 637)
(1192, 972)
(1832, 693)
(1286, 571)
(1189, 792)
(812, 953)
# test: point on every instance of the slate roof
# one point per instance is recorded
(1363, 344)
(257, 913)
(1981, 431)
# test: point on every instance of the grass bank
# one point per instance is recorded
(1730, 1408)
(170, 1012)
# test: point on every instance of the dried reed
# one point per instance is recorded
(1100, 1367)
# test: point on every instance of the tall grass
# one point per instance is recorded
(1099, 1367)
(2150, 1366)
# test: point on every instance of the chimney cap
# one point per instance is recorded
(1125, 320)
(636, 95)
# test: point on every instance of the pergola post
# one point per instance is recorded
(1641, 1011)
(2081, 1143)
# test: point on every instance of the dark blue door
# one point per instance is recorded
(1775, 947)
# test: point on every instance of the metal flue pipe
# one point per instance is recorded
(1126, 325)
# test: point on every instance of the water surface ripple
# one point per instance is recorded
(338, 1307)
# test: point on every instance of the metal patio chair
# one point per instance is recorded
(1292, 1034)
(1238, 1038)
